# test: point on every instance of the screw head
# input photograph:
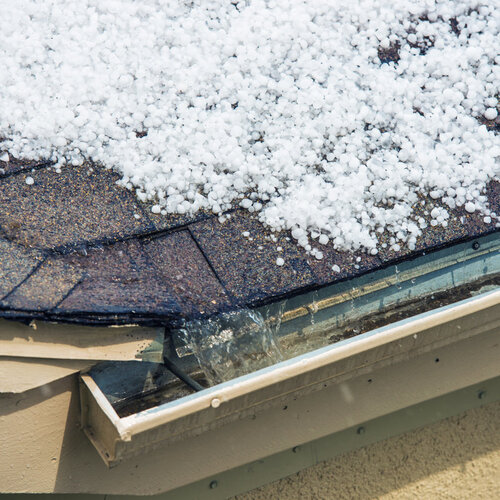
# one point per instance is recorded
(215, 403)
(213, 485)
(361, 430)
(481, 394)
(476, 245)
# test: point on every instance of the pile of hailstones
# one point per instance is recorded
(330, 120)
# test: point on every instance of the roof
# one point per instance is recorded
(77, 247)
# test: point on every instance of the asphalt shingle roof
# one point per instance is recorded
(77, 247)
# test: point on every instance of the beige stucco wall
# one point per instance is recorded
(43, 449)
(457, 458)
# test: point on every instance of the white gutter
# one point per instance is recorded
(122, 437)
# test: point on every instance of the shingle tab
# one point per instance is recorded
(461, 225)
(16, 264)
(46, 286)
(120, 279)
(493, 194)
(186, 272)
(349, 264)
(164, 222)
(247, 265)
(14, 165)
(68, 208)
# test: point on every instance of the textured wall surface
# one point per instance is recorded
(457, 458)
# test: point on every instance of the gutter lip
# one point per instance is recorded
(168, 412)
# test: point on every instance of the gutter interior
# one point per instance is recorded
(398, 292)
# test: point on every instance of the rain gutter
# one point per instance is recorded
(464, 336)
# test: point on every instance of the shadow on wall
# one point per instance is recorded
(458, 457)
